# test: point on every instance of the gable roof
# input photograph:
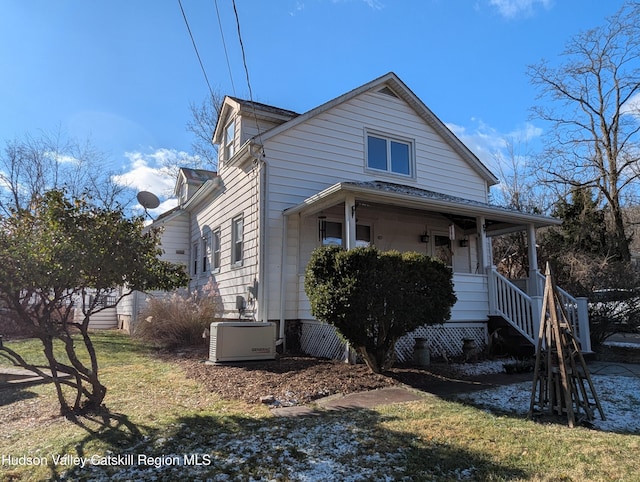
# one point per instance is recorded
(195, 177)
(261, 111)
(393, 82)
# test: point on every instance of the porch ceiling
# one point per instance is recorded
(498, 220)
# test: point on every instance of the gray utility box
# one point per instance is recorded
(242, 341)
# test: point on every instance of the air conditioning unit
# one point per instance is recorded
(242, 341)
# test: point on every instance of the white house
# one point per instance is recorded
(373, 166)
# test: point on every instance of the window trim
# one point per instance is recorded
(389, 138)
(237, 254)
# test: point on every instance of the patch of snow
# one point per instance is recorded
(300, 450)
(618, 395)
(621, 344)
(486, 367)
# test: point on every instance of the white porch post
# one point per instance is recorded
(484, 245)
(350, 221)
(533, 284)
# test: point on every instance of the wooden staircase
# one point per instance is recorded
(514, 316)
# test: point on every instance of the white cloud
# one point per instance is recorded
(299, 7)
(373, 4)
(154, 172)
(141, 176)
(632, 106)
(514, 8)
(487, 142)
(61, 158)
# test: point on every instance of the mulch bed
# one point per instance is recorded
(302, 379)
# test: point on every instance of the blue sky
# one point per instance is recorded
(124, 72)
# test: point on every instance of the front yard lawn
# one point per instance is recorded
(163, 426)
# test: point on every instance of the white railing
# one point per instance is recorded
(577, 313)
(514, 305)
(524, 312)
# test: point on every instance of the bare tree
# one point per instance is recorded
(34, 164)
(204, 118)
(518, 190)
(594, 115)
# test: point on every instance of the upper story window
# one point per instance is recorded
(390, 155)
(237, 241)
(229, 138)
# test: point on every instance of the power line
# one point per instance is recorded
(195, 48)
(224, 46)
(246, 70)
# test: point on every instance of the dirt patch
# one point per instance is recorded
(295, 380)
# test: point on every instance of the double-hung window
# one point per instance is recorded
(237, 234)
(389, 154)
(215, 249)
(229, 140)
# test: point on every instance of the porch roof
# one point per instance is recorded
(498, 219)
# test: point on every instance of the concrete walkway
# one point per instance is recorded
(18, 377)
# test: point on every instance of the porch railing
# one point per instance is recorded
(577, 313)
(523, 312)
(514, 305)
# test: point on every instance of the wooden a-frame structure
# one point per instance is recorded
(562, 384)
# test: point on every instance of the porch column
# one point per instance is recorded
(533, 284)
(350, 221)
(484, 256)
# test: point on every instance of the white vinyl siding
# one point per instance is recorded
(240, 196)
(330, 148)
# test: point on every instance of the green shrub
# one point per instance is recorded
(179, 319)
(373, 298)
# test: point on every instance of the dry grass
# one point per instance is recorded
(179, 319)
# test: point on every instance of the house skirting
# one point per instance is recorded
(445, 341)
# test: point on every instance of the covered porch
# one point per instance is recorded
(458, 231)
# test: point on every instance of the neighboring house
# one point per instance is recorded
(373, 166)
(174, 231)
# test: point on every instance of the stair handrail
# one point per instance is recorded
(514, 305)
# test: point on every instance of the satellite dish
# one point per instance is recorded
(148, 200)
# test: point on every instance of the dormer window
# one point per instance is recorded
(229, 138)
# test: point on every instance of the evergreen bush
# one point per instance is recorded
(373, 298)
